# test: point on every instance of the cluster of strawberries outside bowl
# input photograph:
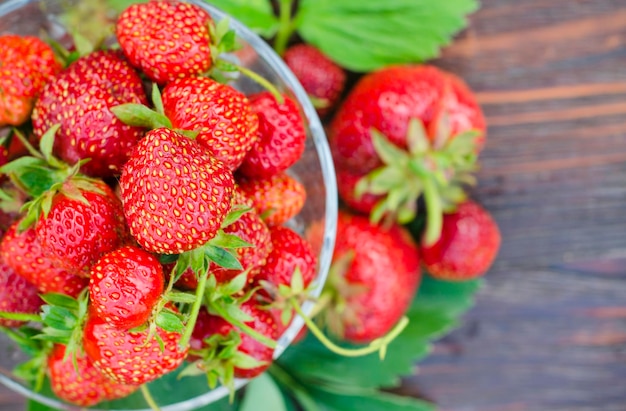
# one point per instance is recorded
(161, 194)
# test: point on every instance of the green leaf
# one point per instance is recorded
(262, 393)
(138, 115)
(181, 297)
(170, 322)
(119, 5)
(47, 141)
(157, 100)
(388, 152)
(235, 214)
(225, 240)
(60, 300)
(235, 285)
(366, 35)
(374, 401)
(258, 15)
(222, 257)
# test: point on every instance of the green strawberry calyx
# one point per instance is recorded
(438, 171)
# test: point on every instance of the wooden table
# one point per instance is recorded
(549, 328)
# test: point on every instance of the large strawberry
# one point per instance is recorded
(84, 221)
(166, 39)
(373, 278)
(79, 99)
(27, 64)
(22, 252)
(407, 131)
(77, 381)
(277, 198)
(131, 357)
(282, 136)
(469, 242)
(17, 295)
(220, 114)
(320, 77)
(125, 286)
(175, 193)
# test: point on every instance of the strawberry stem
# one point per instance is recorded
(285, 28)
(195, 310)
(20, 316)
(149, 398)
(434, 212)
(266, 84)
(378, 345)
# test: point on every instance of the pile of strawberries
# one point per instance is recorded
(150, 204)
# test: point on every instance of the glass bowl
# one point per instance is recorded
(48, 18)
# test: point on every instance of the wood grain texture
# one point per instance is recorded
(549, 328)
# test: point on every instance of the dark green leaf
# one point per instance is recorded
(262, 393)
(58, 318)
(366, 35)
(222, 257)
(258, 15)
(374, 401)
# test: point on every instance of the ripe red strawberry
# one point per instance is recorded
(221, 114)
(374, 276)
(175, 193)
(22, 252)
(277, 198)
(79, 99)
(281, 136)
(469, 242)
(16, 295)
(212, 333)
(320, 77)
(73, 234)
(125, 286)
(290, 252)
(131, 357)
(27, 64)
(79, 382)
(166, 39)
(386, 100)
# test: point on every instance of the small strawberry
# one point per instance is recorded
(320, 77)
(469, 242)
(22, 252)
(175, 193)
(17, 295)
(374, 276)
(227, 352)
(128, 357)
(291, 253)
(166, 39)
(220, 114)
(282, 136)
(27, 64)
(84, 221)
(277, 198)
(79, 99)
(77, 381)
(125, 286)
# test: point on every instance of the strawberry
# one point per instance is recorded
(247, 358)
(125, 286)
(404, 132)
(128, 357)
(320, 77)
(468, 245)
(79, 382)
(290, 252)
(374, 276)
(277, 198)
(22, 252)
(175, 193)
(85, 220)
(347, 182)
(17, 295)
(281, 136)
(27, 64)
(166, 39)
(223, 117)
(80, 99)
